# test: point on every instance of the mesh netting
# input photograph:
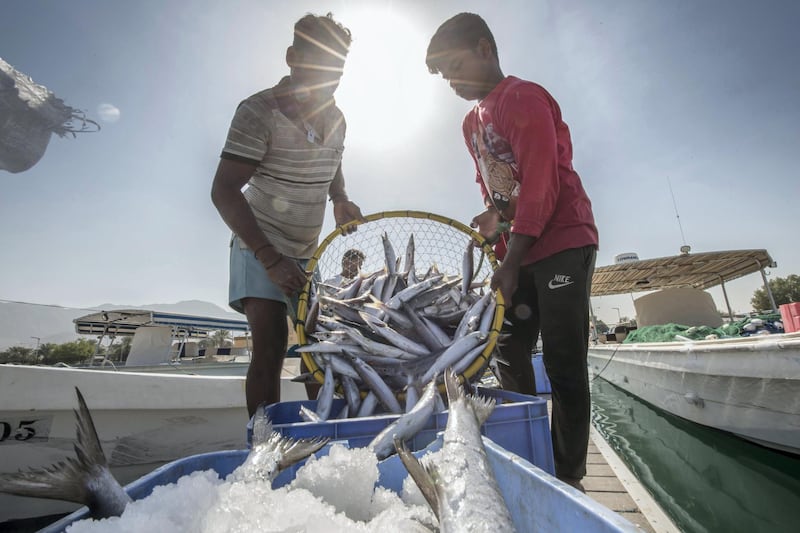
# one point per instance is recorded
(671, 332)
(438, 241)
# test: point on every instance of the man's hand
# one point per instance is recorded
(345, 211)
(287, 275)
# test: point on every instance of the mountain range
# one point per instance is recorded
(25, 324)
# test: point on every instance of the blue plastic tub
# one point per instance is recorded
(540, 375)
(537, 501)
(519, 424)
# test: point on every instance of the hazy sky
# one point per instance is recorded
(699, 94)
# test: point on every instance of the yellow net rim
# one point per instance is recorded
(480, 361)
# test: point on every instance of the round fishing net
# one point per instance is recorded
(439, 245)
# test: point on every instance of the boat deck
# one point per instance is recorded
(610, 483)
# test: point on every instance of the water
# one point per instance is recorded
(706, 480)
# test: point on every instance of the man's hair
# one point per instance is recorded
(353, 253)
(315, 32)
(461, 32)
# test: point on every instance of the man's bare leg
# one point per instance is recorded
(267, 320)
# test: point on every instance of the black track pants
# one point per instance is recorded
(553, 298)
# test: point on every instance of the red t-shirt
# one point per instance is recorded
(523, 153)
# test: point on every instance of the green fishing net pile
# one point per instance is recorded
(668, 332)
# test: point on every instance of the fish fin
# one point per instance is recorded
(297, 450)
(262, 425)
(69, 479)
(482, 407)
(292, 450)
(61, 481)
(452, 386)
(88, 448)
(423, 476)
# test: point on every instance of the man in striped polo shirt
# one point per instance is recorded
(285, 143)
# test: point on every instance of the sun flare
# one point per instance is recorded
(385, 91)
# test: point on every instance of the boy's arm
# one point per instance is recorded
(526, 118)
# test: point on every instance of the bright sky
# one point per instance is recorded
(699, 95)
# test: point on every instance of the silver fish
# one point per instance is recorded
(376, 384)
(411, 291)
(454, 353)
(467, 268)
(368, 405)
(271, 452)
(407, 426)
(86, 480)
(391, 256)
(376, 347)
(472, 318)
(409, 266)
(351, 393)
(430, 337)
(394, 337)
(325, 395)
(308, 415)
(458, 481)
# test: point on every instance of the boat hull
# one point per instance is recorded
(747, 386)
(143, 420)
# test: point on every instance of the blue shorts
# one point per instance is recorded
(249, 279)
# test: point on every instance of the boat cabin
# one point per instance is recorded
(160, 337)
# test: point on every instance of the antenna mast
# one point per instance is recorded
(685, 248)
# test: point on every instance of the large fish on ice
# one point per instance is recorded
(458, 481)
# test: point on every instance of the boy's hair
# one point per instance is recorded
(353, 254)
(314, 32)
(460, 32)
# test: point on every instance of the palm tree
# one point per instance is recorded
(219, 339)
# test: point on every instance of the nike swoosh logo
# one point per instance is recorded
(555, 285)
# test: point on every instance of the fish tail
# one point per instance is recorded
(424, 476)
(482, 407)
(69, 479)
(262, 425)
(292, 450)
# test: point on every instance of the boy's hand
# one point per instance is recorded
(345, 211)
(489, 224)
(505, 279)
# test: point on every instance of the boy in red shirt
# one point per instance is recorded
(523, 156)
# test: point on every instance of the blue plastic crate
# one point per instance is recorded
(536, 500)
(540, 375)
(519, 423)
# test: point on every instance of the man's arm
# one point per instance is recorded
(344, 210)
(226, 193)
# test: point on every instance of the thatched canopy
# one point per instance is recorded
(698, 270)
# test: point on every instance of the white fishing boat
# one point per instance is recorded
(746, 385)
(156, 408)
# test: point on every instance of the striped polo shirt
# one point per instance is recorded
(296, 166)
